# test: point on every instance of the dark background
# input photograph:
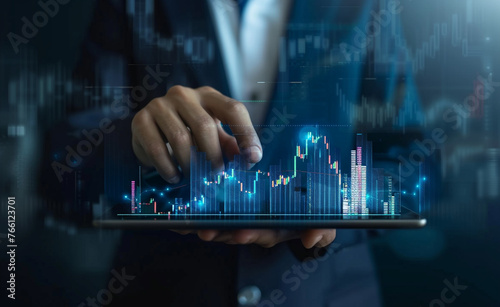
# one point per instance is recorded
(61, 263)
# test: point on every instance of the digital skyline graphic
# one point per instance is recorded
(309, 183)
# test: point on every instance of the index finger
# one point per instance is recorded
(234, 113)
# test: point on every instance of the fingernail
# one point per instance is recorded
(248, 239)
(174, 180)
(316, 240)
(252, 153)
(204, 233)
(222, 237)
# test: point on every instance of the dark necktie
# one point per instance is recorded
(241, 5)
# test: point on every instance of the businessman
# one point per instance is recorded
(245, 76)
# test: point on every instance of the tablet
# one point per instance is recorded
(407, 219)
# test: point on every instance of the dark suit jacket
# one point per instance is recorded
(172, 270)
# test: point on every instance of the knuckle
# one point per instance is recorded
(177, 91)
(156, 150)
(206, 124)
(139, 119)
(179, 137)
(234, 106)
(207, 89)
(156, 104)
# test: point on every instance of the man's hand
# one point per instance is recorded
(185, 117)
(266, 237)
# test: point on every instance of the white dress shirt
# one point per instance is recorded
(250, 49)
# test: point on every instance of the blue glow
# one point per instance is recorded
(228, 190)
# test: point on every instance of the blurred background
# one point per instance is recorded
(455, 47)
